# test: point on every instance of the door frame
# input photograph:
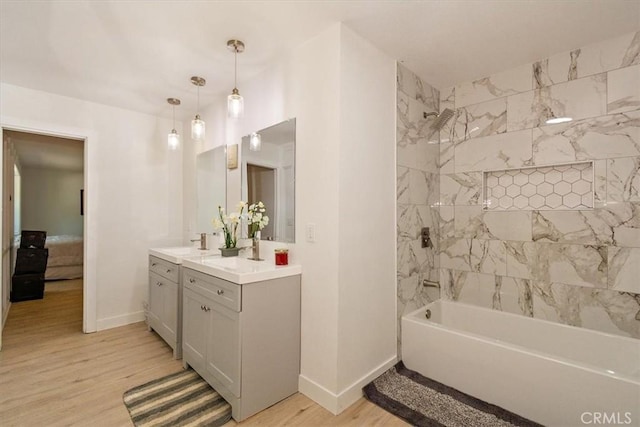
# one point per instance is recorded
(89, 304)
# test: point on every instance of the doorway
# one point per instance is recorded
(43, 185)
(261, 186)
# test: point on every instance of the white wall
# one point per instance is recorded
(133, 191)
(367, 206)
(341, 90)
(51, 201)
(306, 86)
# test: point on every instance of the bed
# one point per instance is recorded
(65, 257)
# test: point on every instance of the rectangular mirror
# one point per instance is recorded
(211, 179)
(268, 175)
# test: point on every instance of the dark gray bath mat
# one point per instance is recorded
(424, 402)
(180, 399)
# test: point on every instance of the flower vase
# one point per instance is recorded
(229, 251)
(255, 249)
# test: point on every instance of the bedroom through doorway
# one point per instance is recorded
(43, 190)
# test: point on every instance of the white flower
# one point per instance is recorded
(265, 221)
(241, 205)
(217, 223)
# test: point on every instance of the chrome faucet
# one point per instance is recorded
(202, 240)
(430, 284)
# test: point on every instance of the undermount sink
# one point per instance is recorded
(240, 270)
(175, 255)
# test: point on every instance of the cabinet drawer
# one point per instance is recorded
(221, 291)
(164, 268)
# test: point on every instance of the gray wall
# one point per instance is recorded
(51, 201)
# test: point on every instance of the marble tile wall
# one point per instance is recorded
(578, 267)
(418, 183)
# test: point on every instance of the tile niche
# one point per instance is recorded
(557, 187)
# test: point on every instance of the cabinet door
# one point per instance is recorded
(223, 346)
(195, 325)
(169, 313)
(155, 300)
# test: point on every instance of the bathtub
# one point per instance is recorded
(553, 374)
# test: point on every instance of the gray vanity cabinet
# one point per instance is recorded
(164, 314)
(244, 340)
(211, 339)
(195, 324)
(223, 346)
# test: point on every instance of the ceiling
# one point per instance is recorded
(135, 54)
(50, 152)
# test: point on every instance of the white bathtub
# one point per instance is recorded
(553, 374)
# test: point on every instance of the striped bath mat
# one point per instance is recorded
(180, 399)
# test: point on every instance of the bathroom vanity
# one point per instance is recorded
(164, 312)
(241, 329)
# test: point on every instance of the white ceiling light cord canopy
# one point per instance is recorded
(197, 124)
(173, 139)
(235, 103)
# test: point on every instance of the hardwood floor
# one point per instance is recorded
(51, 374)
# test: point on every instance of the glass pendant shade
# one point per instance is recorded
(197, 129)
(255, 142)
(173, 140)
(235, 105)
(197, 124)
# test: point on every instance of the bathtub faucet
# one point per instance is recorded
(429, 284)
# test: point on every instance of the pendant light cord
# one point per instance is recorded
(174, 117)
(235, 67)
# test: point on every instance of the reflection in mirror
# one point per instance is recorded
(212, 187)
(268, 175)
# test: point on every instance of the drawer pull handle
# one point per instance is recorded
(153, 264)
(202, 307)
(159, 283)
(169, 271)
(207, 309)
(192, 280)
(220, 291)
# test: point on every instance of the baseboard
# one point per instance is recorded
(318, 394)
(122, 320)
(336, 403)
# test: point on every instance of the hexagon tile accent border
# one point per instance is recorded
(558, 187)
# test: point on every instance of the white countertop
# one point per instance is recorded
(175, 255)
(240, 270)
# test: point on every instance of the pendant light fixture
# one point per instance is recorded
(235, 103)
(173, 139)
(197, 124)
(255, 142)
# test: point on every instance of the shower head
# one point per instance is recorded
(441, 119)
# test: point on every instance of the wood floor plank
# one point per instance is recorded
(51, 374)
